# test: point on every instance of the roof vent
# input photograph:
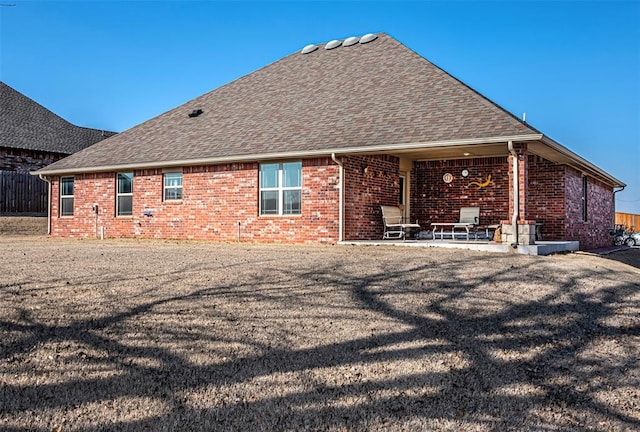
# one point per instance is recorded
(350, 41)
(333, 44)
(309, 48)
(195, 113)
(368, 38)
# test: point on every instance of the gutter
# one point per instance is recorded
(43, 178)
(613, 224)
(341, 196)
(516, 194)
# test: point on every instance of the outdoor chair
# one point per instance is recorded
(468, 221)
(471, 215)
(394, 225)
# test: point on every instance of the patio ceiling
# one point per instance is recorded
(458, 152)
(542, 146)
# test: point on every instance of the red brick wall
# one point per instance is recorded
(215, 199)
(594, 232)
(546, 197)
(523, 181)
(370, 181)
(433, 200)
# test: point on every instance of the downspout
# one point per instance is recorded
(43, 178)
(613, 224)
(340, 198)
(516, 194)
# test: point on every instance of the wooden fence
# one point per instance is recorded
(629, 220)
(22, 193)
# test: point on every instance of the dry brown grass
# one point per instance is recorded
(163, 335)
(20, 225)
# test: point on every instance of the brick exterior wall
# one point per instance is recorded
(555, 199)
(594, 232)
(433, 200)
(370, 181)
(25, 160)
(215, 199)
(523, 182)
(546, 197)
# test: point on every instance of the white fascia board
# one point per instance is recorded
(292, 155)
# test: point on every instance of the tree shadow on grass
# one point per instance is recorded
(629, 256)
(436, 349)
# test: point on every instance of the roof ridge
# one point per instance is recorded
(319, 44)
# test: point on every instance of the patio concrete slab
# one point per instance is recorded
(540, 248)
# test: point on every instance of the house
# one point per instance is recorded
(32, 137)
(307, 149)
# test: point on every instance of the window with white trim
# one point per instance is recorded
(172, 186)
(124, 194)
(281, 188)
(66, 196)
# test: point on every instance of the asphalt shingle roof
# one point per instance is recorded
(371, 94)
(25, 124)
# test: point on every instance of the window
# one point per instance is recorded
(124, 194)
(66, 196)
(172, 186)
(585, 184)
(281, 188)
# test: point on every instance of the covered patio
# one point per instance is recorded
(545, 198)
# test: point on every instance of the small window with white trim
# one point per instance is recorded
(66, 196)
(281, 188)
(172, 186)
(124, 194)
(585, 189)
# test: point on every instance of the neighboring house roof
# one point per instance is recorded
(25, 124)
(377, 96)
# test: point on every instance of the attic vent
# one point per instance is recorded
(368, 38)
(350, 41)
(333, 44)
(309, 48)
(195, 113)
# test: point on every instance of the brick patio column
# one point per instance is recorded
(523, 180)
(526, 228)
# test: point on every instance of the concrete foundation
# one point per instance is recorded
(540, 248)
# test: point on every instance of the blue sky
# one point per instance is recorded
(573, 67)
